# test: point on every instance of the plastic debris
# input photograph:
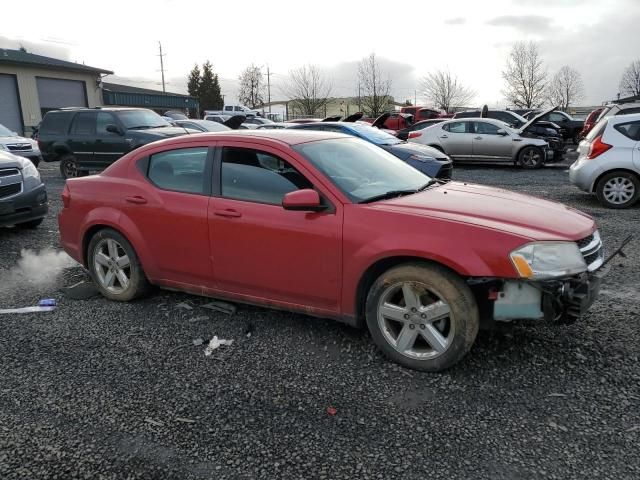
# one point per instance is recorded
(332, 410)
(81, 291)
(198, 341)
(215, 343)
(184, 305)
(44, 305)
(184, 420)
(154, 422)
(223, 307)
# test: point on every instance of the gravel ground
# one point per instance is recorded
(97, 389)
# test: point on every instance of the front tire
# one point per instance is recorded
(531, 157)
(115, 267)
(69, 167)
(422, 316)
(618, 190)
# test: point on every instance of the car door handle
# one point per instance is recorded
(444, 136)
(137, 199)
(477, 138)
(227, 213)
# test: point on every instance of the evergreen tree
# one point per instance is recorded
(209, 91)
(193, 84)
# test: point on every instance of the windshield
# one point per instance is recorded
(374, 135)
(361, 170)
(5, 132)
(141, 118)
(210, 126)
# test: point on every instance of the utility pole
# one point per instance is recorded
(415, 98)
(161, 66)
(269, 88)
(359, 99)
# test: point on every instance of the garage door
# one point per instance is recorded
(10, 115)
(57, 93)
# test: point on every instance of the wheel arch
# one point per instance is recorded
(378, 268)
(613, 170)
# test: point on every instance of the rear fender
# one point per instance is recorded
(112, 218)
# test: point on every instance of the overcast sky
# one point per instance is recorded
(411, 38)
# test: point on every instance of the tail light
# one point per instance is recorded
(66, 196)
(415, 134)
(598, 147)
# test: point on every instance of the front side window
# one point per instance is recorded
(630, 130)
(455, 127)
(104, 119)
(557, 117)
(254, 176)
(181, 170)
(486, 128)
(84, 123)
(360, 169)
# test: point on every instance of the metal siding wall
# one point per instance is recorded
(27, 89)
(146, 100)
(10, 115)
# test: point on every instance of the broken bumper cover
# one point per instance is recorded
(560, 300)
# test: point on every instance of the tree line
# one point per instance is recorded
(527, 84)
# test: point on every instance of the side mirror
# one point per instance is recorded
(502, 132)
(303, 200)
(111, 128)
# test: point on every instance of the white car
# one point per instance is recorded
(608, 161)
(615, 109)
(24, 147)
(485, 139)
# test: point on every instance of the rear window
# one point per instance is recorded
(55, 123)
(629, 129)
(628, 111)
(597, 130)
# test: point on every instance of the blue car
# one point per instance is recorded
(428, 160)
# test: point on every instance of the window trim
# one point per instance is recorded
(144, 164)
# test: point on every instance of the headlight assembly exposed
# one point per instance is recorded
(30, 171)
(544, 260)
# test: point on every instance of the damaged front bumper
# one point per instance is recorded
(559, 300)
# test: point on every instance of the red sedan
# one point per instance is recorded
(330, 226)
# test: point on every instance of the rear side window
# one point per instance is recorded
(630, 130)
(182, 170)
(55, 123)
(455, 127)
(260, 177)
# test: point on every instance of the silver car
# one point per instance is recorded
(485, 139)
(609, 161)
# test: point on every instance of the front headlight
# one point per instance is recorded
(421, 158)
(29, 170)
(543, 260)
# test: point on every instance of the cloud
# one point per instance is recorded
(525, 23)
(48, 48)
(456, 21)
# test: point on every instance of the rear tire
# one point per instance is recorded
(618, 190)
(422, 316)
(68, 166)
(115, 267)
(531, 157)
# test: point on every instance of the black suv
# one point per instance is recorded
(571, 127)
(85, 139)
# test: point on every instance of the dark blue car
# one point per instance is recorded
(428, 160)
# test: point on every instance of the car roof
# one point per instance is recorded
(631, 117)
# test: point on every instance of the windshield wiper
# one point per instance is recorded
(429, 184)
(389, 194)
(140, 127)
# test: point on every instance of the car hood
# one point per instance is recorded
(15, 138)
(161, 132)
(8, 160)
(497, 209)
(534, 119)
(407, 149)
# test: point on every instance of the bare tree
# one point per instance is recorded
(630, 82)
(565, 88)
(251, 91)
(308, 89)
(445, 91)
(525, 76)
(373, 88)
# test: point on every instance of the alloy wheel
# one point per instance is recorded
(70, 169)
(415, 321)
(618, 190)
(531, 158)
(112, 266)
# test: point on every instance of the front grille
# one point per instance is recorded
(8, 190)
(8, 172)
(19, 147)
(592, 251)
